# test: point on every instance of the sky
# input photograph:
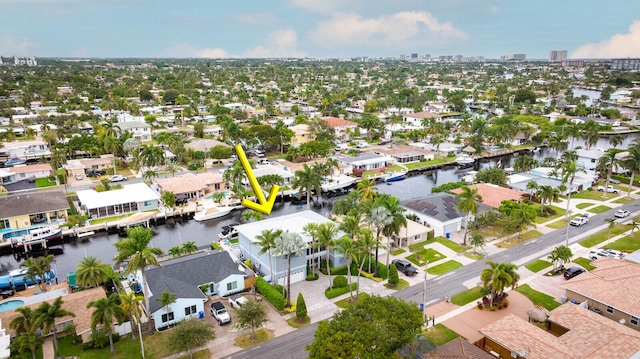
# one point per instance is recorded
(318, 28)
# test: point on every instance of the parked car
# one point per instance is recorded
(600, 253)
(614, 181)
(258, 153)
(610, 189)
(362, 144)
(383, 142)
(220, 313)
(621, 213)
(117, 178)
(572, 272)
(614, 253)
(79, 177)
(405, 267)
(237, 300)
(578, 221)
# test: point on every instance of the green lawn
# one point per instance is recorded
(538, 298)
(584, 263)
(599, 209)
(603, 236)
(537, 265)
(108, 219)
(44, 182)
(456, 247)
(125, 348)
(583, 205)
(417, 165)
(402, 284)
(541, 219)
(474, 256)
(623, 200)
(439, 334)
(557, 224)
(426, 254)
(397, 251)
(514, 241)
(629, 243)
(468, 296)
(594, 195)
(394, 169)
(444, 267)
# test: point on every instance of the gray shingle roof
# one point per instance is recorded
(32, 203)
(183, 276)
(440, 206)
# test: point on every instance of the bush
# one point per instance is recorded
(301, 308)
(215, 246)
(280, 289)
(393, 275)
(270, 293)
(312, 277)
(100, 340)
(336, 292)
(340, 281)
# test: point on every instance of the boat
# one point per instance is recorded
(394, 176)
(19, 278)
(470, 177)
(34, 235)
(5, 282)
(464, 168)
(464, 159)
(337, 183)
(212, 212)
(228, 232)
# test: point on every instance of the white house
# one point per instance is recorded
(264, 170)
(249, 246)
(25, 149)
(341, 127)
(365, 161)
(438, 211)
(137, 197)
(139, 129)
(191, 279)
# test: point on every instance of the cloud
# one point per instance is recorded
(186, 50)
(399, 30)
(619, 45)
(318, 5)
(279, 43)
(12, 46)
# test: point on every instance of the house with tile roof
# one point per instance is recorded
(493, 195)
(24, 172)
(610, 289)
(191, 279)
(190, 185)
(341, 127)
(571, 332)
(33, 209)
(458, 349)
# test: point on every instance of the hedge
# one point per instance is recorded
(340, 281)
(336, 292)
(270, 293)
(342, 270)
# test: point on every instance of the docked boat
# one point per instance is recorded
(337, 183)
(464, 159)
(34, 235)
(470, 177)
(19, 278)
(394, 176)
(212, 212)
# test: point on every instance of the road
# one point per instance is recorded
(292, 345)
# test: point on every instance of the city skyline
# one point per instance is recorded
(308, 28)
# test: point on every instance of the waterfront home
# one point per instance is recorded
(268, 169)
(25, 149)
(438, 211)
(249, 247)
(406, 154)
(192, 278)
(299, 166)
(416, 119)
(139, 129)
(24, 172)
(493, 195)
(519, 182)
(137, 197)
(301, 134)
(365, 161)
(30, 209)
(190, 185)
(341, 127)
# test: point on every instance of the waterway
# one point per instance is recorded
(203, 233)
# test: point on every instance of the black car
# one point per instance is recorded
(405, 267)
(572, 272)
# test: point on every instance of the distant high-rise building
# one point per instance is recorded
(29, 61)
(414, 55)
(513, 57)
(625, 64)
(557, 55)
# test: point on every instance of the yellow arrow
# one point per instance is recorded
(264, 205)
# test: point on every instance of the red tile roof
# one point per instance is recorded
(493, 195)
(336, 122)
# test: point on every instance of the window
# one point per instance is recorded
(633, 320)
(190, 310)
(232, 285)
(147, 203)
(417, 237)
(216, 186)
(167, 317)
(609, 309)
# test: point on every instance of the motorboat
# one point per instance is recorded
(228, 232)
(464, 159)
(394, 176)
(32, 235)
(19, 278)
(470, 177)
(212, 212)
(337, 183)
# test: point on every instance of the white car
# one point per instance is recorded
(79, 177)
(578, 221)
(238, 301)
(621, 213)
(600, 253)
(117, 178)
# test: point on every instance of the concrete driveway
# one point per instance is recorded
(230, 330)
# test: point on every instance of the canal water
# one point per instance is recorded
(203, 233)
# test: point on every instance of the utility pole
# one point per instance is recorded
(424, 295)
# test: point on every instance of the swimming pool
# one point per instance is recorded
(11, 304)
(210, 197)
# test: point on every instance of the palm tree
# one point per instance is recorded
(378, 218)
(346, 247)
(612, 223)
(608, 160)
(364, 244)
(91, 272)
(632, 162)
(398, 220)
(616, 140)
(267, 242)
(46, 315)
(499, 276)
(532, 186)
(326, 235)
(166, 299)
(150, 174)
(25, 327)
(468, 205)
(38, 269)
(573, 130)
(235, 175)
(568, 168)
(558, 143)
(307, 180)
(135, 249)
(590, 133)
(251, 215)
(105, 311)
(311, 229)
(289, 243)
(331, 164)
(189, 247)
(366, 189)
(524, 164)
(547, 193)
(132, 306)
(635, 224)
(152, 155)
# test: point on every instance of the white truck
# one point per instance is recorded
(220, 313)
(610, 189)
